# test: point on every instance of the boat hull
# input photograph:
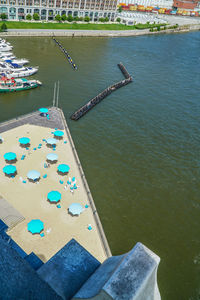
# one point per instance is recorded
(18, 89)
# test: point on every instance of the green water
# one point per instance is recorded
(139, 148)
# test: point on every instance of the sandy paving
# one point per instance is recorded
(30, 199)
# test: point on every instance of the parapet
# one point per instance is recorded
(132, 276)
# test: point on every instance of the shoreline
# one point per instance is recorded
(95, 33)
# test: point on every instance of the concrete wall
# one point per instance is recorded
(132, 276)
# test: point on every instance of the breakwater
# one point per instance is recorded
(74, 66)
(94, 101)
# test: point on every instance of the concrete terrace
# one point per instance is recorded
(30, 199)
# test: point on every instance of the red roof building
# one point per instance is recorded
(185, 4)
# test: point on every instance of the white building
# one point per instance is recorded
(47, 9)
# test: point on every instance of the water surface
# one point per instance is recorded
(140, 148)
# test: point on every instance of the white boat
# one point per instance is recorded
(5, 57)
(16, 71)
(3, 42)
(7, 54)
(4, 48)
(16, 61)
(19, 73)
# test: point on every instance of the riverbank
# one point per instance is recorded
(95, 33)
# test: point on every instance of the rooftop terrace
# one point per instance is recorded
(30, 198)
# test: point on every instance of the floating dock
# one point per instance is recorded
(74, 66)
(94, 101)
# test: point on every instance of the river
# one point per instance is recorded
(140, 147)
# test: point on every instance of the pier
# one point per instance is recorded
(74, 66)
(37, 127)
(94, 101)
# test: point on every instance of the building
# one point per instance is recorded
(47, 9)
(154, 3)
(186, 4)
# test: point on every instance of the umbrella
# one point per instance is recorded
(24, 140)
(35, 226)
(33, 175)
(43, 110)
(63, 168)
(54, 196)
(9, 169)
(58, 133)
(51, 141)
(75, 209)
(10, 156)
(52, 156)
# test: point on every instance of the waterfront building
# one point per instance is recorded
(154, 3)
(186, 4)
(47, 9)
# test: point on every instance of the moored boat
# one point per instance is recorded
(5, 48)
(13, 85)
(16, 71)
(17, 61)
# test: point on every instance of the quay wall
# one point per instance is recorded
(94, 33)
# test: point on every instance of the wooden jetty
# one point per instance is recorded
(94, 101)
(65, 53)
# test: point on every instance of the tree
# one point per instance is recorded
(58, 18)
(80, 18)
(106, 19)
(70, 18)
(36, 17)
(120, 9)
(64, 18)
(101, 20)
(4, 27)
(28, 17)
(76, 18)
(118, 20)
(3, 16)
(87, 19)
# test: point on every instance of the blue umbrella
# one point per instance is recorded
(52, 156)
(63, 168)
(10, 156)
(43, 110)
(54, 196)
(35, 226)
(75, 209)
(33, 175)
(51, 141)
(58, 133)
(9, 169)
(24, 140)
